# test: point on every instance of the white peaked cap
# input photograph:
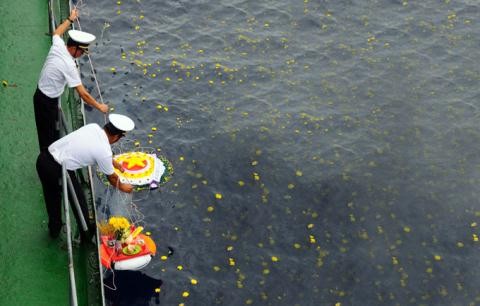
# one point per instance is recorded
(121, 122)
(81, 37)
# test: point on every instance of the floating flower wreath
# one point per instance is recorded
(166, 176)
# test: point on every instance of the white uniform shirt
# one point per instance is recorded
(58, 70)
(84, 147)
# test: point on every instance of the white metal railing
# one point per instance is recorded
(69, 184)
(71, 270)
(66, 180)
(90, 170)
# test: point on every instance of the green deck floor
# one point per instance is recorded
(33, 267)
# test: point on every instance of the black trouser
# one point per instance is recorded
(50, 173)
(46, 118)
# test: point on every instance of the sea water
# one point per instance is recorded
(325, 152)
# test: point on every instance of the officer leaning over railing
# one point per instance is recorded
(59, 70)
(87, 146)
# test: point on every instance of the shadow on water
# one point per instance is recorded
(131, 288)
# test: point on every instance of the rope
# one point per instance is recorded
(97, 85)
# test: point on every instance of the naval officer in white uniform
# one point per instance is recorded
(87, 146)
(59, 70)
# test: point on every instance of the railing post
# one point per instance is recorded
(62, 120)
(77, 204)
(52, 15)
(73, 286)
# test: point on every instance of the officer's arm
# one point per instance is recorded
(66, 24)
(83, 93)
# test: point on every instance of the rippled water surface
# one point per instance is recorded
(325, 152)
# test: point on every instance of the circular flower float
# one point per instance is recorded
(141, 169)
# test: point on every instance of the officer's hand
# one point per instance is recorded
(103, 108)
(73, 14)
(126, 188)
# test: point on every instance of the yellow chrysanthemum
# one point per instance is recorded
(121, 227)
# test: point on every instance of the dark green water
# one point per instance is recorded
(342, 136)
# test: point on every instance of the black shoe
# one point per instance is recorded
(54, 229)
(54, 233)
(86, 237)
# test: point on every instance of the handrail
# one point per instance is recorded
(73, 287)
(69, 180)
(66, 178)
(51, 14)
(71, 269)
(77, 204)
(63, 125)
(67, 184)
